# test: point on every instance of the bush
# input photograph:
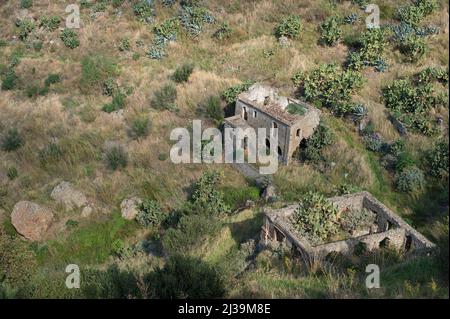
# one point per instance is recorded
(164, 98)
(431, 74)
(190, 233)
(17, 262)
(182, 73)
(330, 85)
(143, 11)
(409, 180)
(194, 18)
(372, 45)
(116, 157)
(25, 4)
(289, 27)
(438, 158)
(224, 31)
(206, 198)
(50, 23)
(410, 104)
(10, 80)
(321, 138)
(330, 31)
(373, 142)
(52, 79)
(213, 108)
(125, 45)
(150, 213)
(413, 47)
(12, 173)
(118, 102)
(140, 127)
(11, 140)
(166, 31)
(230, 95)
(316, 218)
(414, 13)
(187, 277)
(95, 70)
(26, 26)
(70, 38)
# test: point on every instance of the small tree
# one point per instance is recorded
(413, 47)
(438, 158)
(409, 180)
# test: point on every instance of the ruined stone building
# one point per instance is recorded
(262, 107)
(387, 229)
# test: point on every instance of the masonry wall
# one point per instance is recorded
(263, 120)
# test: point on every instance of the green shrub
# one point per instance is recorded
(50, 23)
(409, 180)
(70, 38)
(413, 47)
(17, 261)
(230, 95)
(316, 218)
(26, 26)
(415, 12)
(404, 161)
(372, 45)
(190, 233)
(139, 127)
(167, 31)
(289, 27)
(95, 70)
(183, 73)
(125, 45)
(117, 103)
(410, 104)
(321, 138)
(110, 87)
(11, 140)
(330, 31)
(150, 213)
(25, 4)
(52, 79)
(116, 157)
(143, 11)
(438, 158)
(206, 197)
(194, 17)
(213, 109)
(164, 98)
(71, 224)
(330, 85)
(224, 31)
(10, 80)
(187, 277)
(12, 173)
(431, 74)
(373, 142)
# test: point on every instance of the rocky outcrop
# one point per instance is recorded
(31, 220)
(130, 207)
(71, 198)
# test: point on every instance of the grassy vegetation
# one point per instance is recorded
(141, 62)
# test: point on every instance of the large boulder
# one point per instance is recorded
(31, 220)
(71, 198)
(130, 207)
